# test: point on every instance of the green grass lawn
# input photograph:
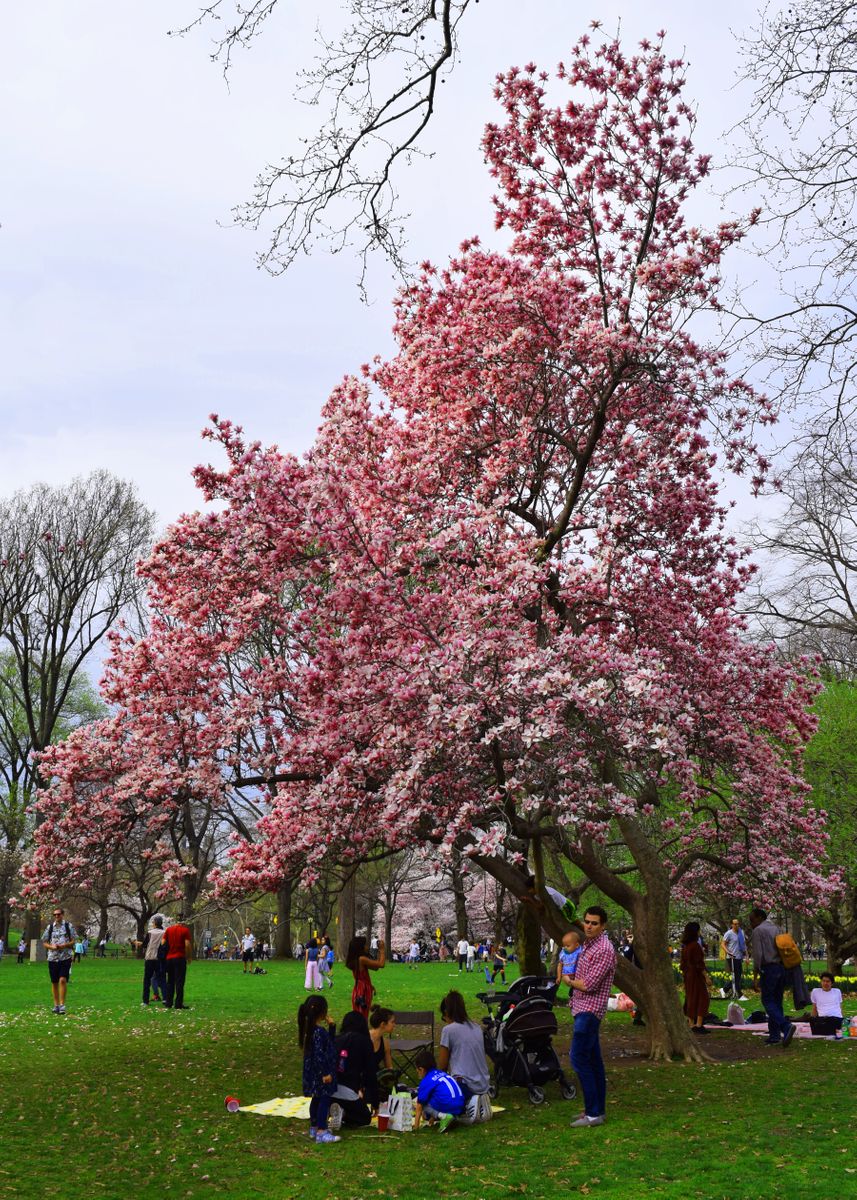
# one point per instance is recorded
(114, 1100)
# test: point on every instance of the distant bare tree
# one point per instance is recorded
(811, 604)
(801, 152)
(68, 558)
(377, 89)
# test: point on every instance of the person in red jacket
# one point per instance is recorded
(177, 939)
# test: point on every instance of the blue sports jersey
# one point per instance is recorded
(440, 1091)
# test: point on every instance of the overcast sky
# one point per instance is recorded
(130, 308)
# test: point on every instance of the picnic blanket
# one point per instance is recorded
(802, 1030)
(296, 1107)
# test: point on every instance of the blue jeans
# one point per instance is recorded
(773, 984)
(319, 1109)
(588, 1064)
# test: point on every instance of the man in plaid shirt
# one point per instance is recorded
(591, 987)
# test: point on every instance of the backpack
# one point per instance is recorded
(788, 951)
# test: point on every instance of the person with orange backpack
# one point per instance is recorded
(769, 971)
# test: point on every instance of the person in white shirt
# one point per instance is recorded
(414, 954)
(827, 1000)
(461, 950)
(248, 946)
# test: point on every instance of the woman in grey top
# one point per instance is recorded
(462, 1050)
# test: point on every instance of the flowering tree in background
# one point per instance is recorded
(497, 595)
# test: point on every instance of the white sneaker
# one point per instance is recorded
(585, 1122)
(61, 1010)
(743, 997)
(334, 1120)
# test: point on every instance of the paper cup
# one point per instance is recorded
(232, 1104)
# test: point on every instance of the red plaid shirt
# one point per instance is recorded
(595, 967)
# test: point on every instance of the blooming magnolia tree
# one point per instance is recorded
(497, 597)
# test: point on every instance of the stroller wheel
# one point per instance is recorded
(568, 1091)
(537, 1095)
(493, 1090)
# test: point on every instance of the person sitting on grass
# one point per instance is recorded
(568, 956)
(356, 1078)
(382, 1022)
(315, 1037)
(827, 1000)
(462, 1054)
(439, 1098)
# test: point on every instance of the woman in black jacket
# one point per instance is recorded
(356, 1073)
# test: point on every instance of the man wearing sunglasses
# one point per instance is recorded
(59, 938)
(591, 986)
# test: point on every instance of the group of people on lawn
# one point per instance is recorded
(770, 976)
(341, 1071)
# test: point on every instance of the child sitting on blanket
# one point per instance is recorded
(315, 1036)
(439, 1097)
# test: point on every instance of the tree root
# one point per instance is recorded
(690, 1053)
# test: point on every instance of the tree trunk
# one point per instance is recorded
(102, 923)
(142, 921)
(653, 986)
(388, 923)
(32, 925)
(460, 898)
(347, 916)
(500, 897)
(529, 940)
(283, 935)
(839, 927)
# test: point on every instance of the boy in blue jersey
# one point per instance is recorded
(439, 1096)
(568, 956)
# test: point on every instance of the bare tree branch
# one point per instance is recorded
(379, 82)
(801, 151)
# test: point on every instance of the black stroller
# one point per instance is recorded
(520, 1047)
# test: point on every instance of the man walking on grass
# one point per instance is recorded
(768, 970)
(591, 986)
(736, 951)
(58, 939)
(179, 949)
(461, 950)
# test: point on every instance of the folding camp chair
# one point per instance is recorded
(406, 1049)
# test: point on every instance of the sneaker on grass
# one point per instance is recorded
(324, 1136)
(444, 1122)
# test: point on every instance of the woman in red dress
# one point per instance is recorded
(360, 964)
(695, 977)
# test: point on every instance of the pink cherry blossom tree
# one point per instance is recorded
(496, 599)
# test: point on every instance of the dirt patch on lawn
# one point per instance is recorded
(629, 1047)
